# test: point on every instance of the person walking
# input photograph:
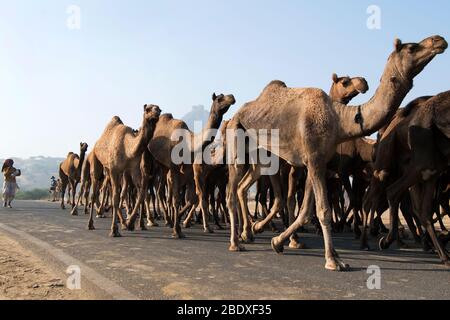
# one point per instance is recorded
(9, 184)
(53, 185)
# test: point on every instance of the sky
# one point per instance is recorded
(60, 86)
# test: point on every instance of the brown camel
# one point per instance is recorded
(179, 175)
(310, 121)
(118, 150)
(343, 89)
(70, 173)
(203, 172)
(420, 141)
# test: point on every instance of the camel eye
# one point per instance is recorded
(411, 49)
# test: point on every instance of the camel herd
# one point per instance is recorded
(329, 173)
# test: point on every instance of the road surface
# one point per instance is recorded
(152, 265)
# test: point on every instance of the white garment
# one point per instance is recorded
(9, 190)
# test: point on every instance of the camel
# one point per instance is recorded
(310, 121)
(119, 149)
(204, 173)
(421, 137)
(70, 173)
(343, 90)
(161, 147)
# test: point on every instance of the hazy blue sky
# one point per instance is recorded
(59, 86)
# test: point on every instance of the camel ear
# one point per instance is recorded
(214, 97)
(145, 106)
(334, 77)
(398, 44)
(81, 144)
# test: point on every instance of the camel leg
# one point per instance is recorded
(73, 186)
(278, 200)
(318, 170)
(250, 177)
(316, 177)
(160, 193)
(407, 213)
(103, 202)
(64, 182)
(115, 195)
(140, 183)
(370, 203)
(95, 190)
(150, 218)
(302, 219)
(235, 173)
(426, 194)
(74, 211)
(174, 182)
(394, 193)
(200, 184)
(86, 197)
(293, 176)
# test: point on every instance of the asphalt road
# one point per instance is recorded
(152, 265)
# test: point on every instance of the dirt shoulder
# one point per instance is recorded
(23, 276)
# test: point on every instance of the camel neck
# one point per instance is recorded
(363, 120)
(80, 163)
(141, 140)
(208, 134)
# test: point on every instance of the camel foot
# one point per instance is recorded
(186, 224)
(208, 229)
(91, 225)
(277, 246)
(168, 224)
(115, 233)
(130, 225)
(142, 227)
(402, 245)
(178, 235)
(256, 228)
(364, 247)
(336, 265)
(100, 216)
(294, 244)
(74, 212)
(382, 243)
(236, 248)
(152, 224)
(247, 237)
(219, 227)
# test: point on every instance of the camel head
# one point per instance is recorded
(344, 89)
(409, 59)
(151, 112)
(83, 147)
(222, 103)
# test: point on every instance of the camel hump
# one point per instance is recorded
(167, 116)
(406, 111)
(276, 83)
(116, 119)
